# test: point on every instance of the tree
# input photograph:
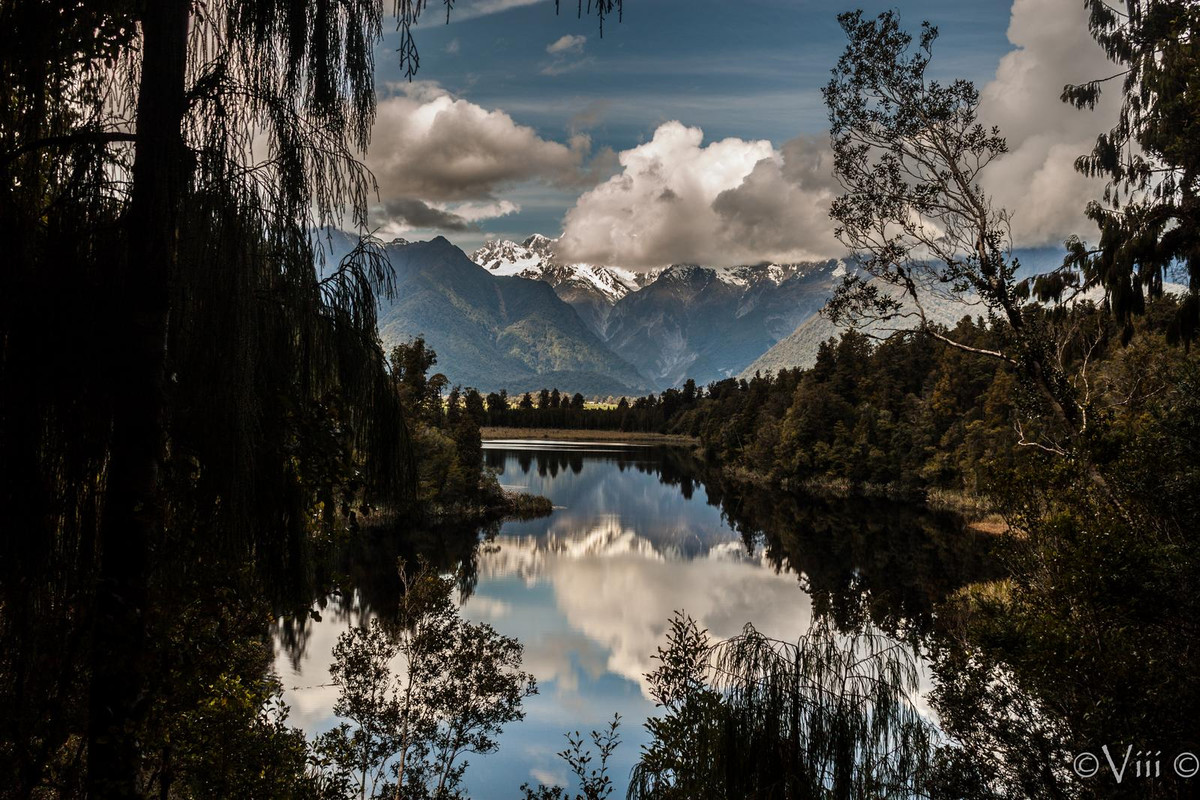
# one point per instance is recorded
(377, 728)
(497, 406)
(1149, 219)
(410, 361)
(215, 386)
(142, 139)
(594, 783)
(461, 683)
(910, 153)
(474, 406)
(757, 717)
(689, 391)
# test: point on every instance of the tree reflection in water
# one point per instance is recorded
(863, 566)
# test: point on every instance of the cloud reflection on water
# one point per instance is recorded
(618, 591)
(589, 592)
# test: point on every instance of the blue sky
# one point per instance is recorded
(750, 70)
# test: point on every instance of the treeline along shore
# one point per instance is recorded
(909, 416)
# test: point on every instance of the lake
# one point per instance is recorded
(636, 534)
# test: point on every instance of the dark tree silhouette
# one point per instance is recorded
(910, 152)
(173, 369)
(1149, 218)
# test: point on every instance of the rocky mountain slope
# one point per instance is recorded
(515, 316)
(684, 321)
(708, 324)
(591, 289)
(494, 331)
(799, 348)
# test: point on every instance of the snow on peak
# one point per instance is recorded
(540, 243)
(504, 257)
(636, 280)
(683, 272)
(735, 276)
(535, 259)
(742, 277)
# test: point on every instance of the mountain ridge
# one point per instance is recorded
(680, 321)
(492, 331)
(591, 289)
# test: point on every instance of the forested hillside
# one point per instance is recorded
(704, 323)
(908, 414)
(491, 331)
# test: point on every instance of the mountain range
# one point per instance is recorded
(492, 331)
(591, 289)
(799, 348)
(679, 321)
(515, 316)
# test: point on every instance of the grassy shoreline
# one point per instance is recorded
(976, 512)
(571, 435)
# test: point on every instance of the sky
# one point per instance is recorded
(693, 130)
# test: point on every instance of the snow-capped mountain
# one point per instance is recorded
(591, 288)
(535, 258)
(490, 331)
(678, 322)
(743, 277)
(709, 323)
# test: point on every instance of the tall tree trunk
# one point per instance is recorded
(133, 511)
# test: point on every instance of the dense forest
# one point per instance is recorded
(908, 415)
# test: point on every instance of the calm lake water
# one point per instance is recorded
(635, 536)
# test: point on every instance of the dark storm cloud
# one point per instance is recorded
(419, 214)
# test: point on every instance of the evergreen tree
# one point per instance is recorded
(1149, 219)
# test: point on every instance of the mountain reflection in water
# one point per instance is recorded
(637, 533)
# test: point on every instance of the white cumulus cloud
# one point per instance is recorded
(431, 145)
(678, 199)
(1036, 180)
(734, 201)
(566, 44)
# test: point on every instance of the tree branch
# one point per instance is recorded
(70, 140)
